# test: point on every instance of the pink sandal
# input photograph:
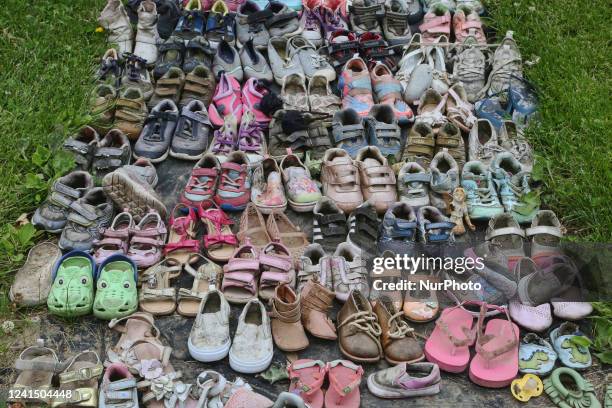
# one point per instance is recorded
(148, 239)
(277, 267)
(344, 378)
(219, 241)
(182, 243)
(114, 239)
(448, 345)
(307, 377)
(495, 364)
(240, 274)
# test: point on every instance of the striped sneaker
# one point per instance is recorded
(329, 225)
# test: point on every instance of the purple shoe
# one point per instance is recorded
(251, 139)
(224, 140)
(332, 20)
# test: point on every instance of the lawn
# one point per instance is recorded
(49, 51)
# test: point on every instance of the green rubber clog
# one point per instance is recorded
(72, 291)
(116, 295)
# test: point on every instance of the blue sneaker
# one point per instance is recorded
(398, 231)
(481, 196)
(348, 131)
(512, 183)
(191, 24)
(220, 25)
(522, 101)
(491, 109)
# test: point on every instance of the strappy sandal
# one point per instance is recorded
(431, 108)
(114, 239)
(37, 365)
(458, 110)
(253, 226)
(118, 388)
(148, 239)
(277, 267)
(241, 273)
(137, 326)
(157, 296)
(80, 381)
(207, 276)
(182, 243)
(307, 377)
(495, 364)
(219, 241)
(344, 379)
(282, 230)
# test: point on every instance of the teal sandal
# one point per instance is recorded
(116, 295)
(72, 291)
(579, 394)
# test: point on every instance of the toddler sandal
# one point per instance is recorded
(496, 361)
(72, 291)
(116, 294)
(137, 326)
(148, 239)
(80, 381)
(207, 276)
(523, 389)
(182, 242)
(567, 388)
(448, 344)
(219, 241)
(157, 296)
(241, 273)
(344, 378)
(536, 355)
(307, 377)
(253, 226)
(571, 354)
(276, 268)
(33, 280)
(118, 388)
(37, 365)
(114, 239)
(282, 230)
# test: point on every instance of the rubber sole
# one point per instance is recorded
(184, 156)
(446, 367)
(127, 193)
(209, 356)
(157, 160)
(383, 392)
(357, 359)
(249, 367)
(38, 224)
(302, 208)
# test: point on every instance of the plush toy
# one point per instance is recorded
(459, 212)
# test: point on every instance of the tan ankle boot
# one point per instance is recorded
(316, 302)
(287, 330)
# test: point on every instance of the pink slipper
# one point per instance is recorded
(495, 364)
(226, 101)
(448, 344)
(344, 378)
(307, 377)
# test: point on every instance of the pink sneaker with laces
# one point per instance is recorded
(310, 21)
(227, 101)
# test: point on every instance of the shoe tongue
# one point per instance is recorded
(274, 178)
(296, 172)
(341, 160)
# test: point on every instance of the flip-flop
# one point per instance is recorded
(448, 344)
(495, 364)
(307, 377)
(344, 378)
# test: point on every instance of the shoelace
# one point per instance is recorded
(313, 21)
(134, 66)
(366, 322)
(250, 137)
(401, 328)
(224, 142)
(231, 183)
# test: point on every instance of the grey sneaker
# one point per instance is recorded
(113, 151)
(227, 60)
(469, 68)
(254, 63)
(395, 23)
(284, 22)
(52, 215)
(506, 63)
(444, 180)
(250, 23)
(82, 145)
(542, 285)
(364, 16)
(282, 61)
(145, 170)
(312, 62)
(192, 132)
(169, 87)
(155, 138)
(87, 216)
(413, 184)
(495, 268)
(294, 94)
(483, 143)
(512, 139)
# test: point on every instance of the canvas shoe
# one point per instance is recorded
(156, 136)
(349, 131)
(267, 191)
(220, 24)
(131, 112)
(413, 184)
(310, 21)
(395, 24)
(312, 62)
(329, 225)
(302, 192)
(511, 138)
(115, 21)
(383, 131)
(192, 132)
(481, 195)
(388, 91)
(233, 192)
(252, 349)
(466, 22)
(398, 230)
(512, 181)
(282, 60)
(227, 100)
(199, 86)
(436, 23)
(224, 139)
(253, 93)
(364, 15)
(254, 64)
(203, 181)
(294, 93)
(419, 146)
(340, 180)
(250, 24)
(320, 97)
(227, 61)
(171, 53)
(506, 63)
(444, 180)
(483, 144)
(356, 87)
(469, 68)
(449, 137)
(147, 37)
(136, 75)
(283, 22)
(198, 51)
(209, 339)
(377, 178)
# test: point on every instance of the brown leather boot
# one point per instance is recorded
(316, 302)
(358, 330)
(287, 330)
(398, 340)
